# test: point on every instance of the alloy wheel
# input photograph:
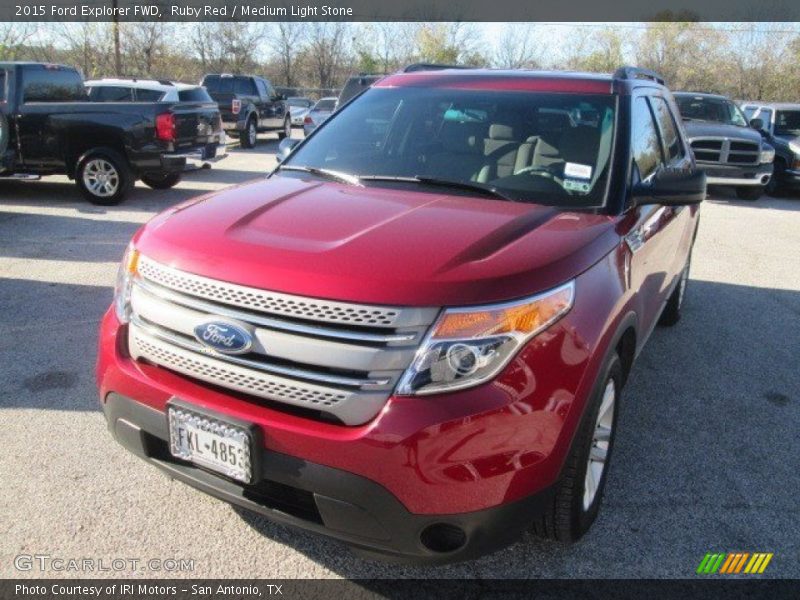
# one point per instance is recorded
(101, 177)
(601, 440)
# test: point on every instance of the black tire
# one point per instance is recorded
(161, 181)
(567, 518)
(248, 137)
(672, 311)
(119, 177)
(287, 129)
(750, 192)
(774, 187)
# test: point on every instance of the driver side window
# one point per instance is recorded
(645, 143)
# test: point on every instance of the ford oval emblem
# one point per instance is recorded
(224, 337)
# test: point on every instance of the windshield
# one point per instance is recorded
(787, 122)
(299, 102)
(529, 146)
(714, 110)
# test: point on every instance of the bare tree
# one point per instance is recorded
(13, 39)
(228, 46)
(286, 42)
(326, 53)
(143, 45)
(517, 47)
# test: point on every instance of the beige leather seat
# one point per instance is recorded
(500, 153)
(461, 157)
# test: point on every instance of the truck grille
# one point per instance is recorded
(725, 151)
(339, 358)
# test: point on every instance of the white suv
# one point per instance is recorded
(144, 90)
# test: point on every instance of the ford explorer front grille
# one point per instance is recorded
(340, 358)
(725, 151)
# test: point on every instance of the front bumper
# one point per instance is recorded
(330, 501)
(753, 175)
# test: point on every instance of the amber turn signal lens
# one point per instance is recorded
(525, 318)
(133, 261)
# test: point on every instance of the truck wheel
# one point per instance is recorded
(161, 181)
(103, 176)
(249, 136)
(287, 129)
(579, 491)
(774, 187)
(749, 192)
(672, 311)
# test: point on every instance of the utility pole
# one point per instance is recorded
(117, 55)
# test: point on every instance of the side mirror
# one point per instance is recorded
(757, 124)
(285, 148)
(671, 187)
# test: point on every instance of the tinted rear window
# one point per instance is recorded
(110, 93)
(229, 85)
(2, 86)
(325, 105)
(149, 95)
(194, 95)
(52, 84)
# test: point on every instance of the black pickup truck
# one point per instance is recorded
(249, 105)
(48, 126)
(725, 145)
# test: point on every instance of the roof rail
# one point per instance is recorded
(432, 67)
(638, 73)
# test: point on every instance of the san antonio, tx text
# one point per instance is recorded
(138, 589)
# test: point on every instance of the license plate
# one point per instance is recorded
(211, 443)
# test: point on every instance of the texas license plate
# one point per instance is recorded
(210, 442)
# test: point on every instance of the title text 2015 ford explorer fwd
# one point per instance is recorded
(413, 336)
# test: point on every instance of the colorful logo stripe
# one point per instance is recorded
(734, 562)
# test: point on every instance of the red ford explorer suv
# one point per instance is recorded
(413, 334)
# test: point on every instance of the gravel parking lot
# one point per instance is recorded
(707, 449)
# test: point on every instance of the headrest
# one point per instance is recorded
(501, 132)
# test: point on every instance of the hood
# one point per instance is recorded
(787, 139)
(375, 244)
(700, 129)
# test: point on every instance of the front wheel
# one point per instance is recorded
(103, 176)
(749, 192)
(287, 129)
(161, 181)
(578, 493)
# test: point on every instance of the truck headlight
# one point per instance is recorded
(794, 148)
(767, 154)
(122, 290)
(469, 346)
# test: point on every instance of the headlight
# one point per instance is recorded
(468, 346)
(794, 148)
(125, 277)
(767, 154)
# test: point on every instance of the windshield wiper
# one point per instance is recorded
(471, 186)
(326, 173)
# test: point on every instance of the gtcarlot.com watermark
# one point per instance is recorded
(46, 563)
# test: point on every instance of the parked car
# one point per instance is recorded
(318, 114)
(48, 126)
(779, 123)
(144, 90)
(298, 109)
(725, 146)
(433, 362)
(249, 105)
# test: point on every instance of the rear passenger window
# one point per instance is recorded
(194, 95)
(645, 145)
(111, 94)
(52, 84)
(669, 131)
(149, 95)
